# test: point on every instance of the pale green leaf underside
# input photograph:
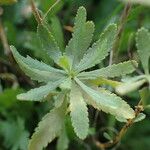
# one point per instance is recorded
(60, 99)
(48, 43)
(35, 69)
(99, 50)
(81, 37)
(127, 87)
(108, 102)
(143, 46)
(48, 129)
(38, 94)
(78, 112)
(112, 71)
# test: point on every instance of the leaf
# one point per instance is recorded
(9, 129)
(127, 87)
(35, 69)
(78, 112)
(103, 81)
(64, 62)
(112, 71)
(108, 102)
(143, 46)
(145, 95)
(7, 2)
(48, 129)
(60, 99)
(53, 7)
(32, 43)
(81, 37)
(63, 141)
(142, 2)
(48, 43)
(99, 50)
(140, 117)
(38, 94)
(57, 32)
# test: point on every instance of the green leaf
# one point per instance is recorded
(14, 133)
(81, 37)
(60, 99)
(57, 32)
(63, 141)
(142, 2)
(108, 102)
(127, 87)
(140, 117)
(145, 95)
(112, 71)
(99, 50)
(143, 46)
(48, 129)
(7, 2)
(48, 43)
(103, 81)
(35, 69)
(79, 113)
(32, 43)
(53, 7)
(64, 62)
(38, 94)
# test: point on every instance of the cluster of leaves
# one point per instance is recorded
(74, 82)
(143, 46)
(71, 85)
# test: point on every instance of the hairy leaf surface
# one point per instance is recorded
(81, 37)
(38, 94)
(35, 69)
(79, 113)
(99, 50)
(108, 102)
(48, 129)
(112, 71)
(143, 46)
(48, 43)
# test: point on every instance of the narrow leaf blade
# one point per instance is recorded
(112, 71)
(35, 69)
(38, 94)
(99, 50)
(108, 102)
(46, 131)
(79, 114)
(143, 46)
(48, 42)
(81, 37)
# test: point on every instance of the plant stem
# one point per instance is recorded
(123, 20)
(35, 12)
(4, 40)
(130, 122)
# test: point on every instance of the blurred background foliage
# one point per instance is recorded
(18, 119)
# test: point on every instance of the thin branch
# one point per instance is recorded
(123, 20)
(11, 77)
(51, 8)
(4, 40)
(68, 28)
(117, 139)
(35, 12)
